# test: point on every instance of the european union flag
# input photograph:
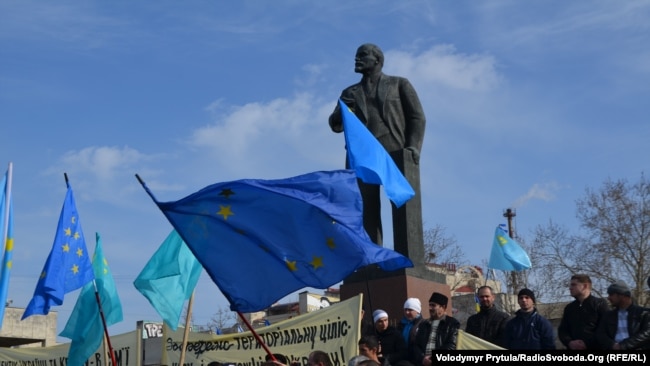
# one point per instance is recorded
(507, 254)
(7, 221)
(84, 327)
(67, 267)
(169, 278)
(371, 162)
(260, 240)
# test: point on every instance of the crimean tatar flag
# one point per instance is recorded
(507, 254)
(84, 327)
(169, 278)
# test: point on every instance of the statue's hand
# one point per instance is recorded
(336, 124)
(338, 128)
(415, 154)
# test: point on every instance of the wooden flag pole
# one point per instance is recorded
(257, 336)
(186, 334)
(101, 313)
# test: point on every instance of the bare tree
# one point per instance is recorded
(222, 319)
(614, 242)
(444, 254)
(442, 248)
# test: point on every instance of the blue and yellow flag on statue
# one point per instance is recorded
(507, 254)
(370, 161)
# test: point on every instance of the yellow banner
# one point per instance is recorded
(467, 341)
(334, 329)
(123, 344)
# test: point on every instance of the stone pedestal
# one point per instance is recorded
(408, 237)
(389, 290)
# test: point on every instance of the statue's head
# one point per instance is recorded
(369, 57)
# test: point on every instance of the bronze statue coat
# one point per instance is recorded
(402, 119)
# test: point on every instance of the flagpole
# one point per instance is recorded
(106, 337)
(5, 224)
(101, 313)
(257, 336)
(186, 334)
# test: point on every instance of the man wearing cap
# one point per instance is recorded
(528, 330)
(627, 326)
(439, 332)
(580, 319)
(392, 346)
(489, 323)
(412, 318)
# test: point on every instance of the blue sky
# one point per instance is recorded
(527, 103)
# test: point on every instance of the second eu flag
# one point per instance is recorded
(260, 240)
(68, 265)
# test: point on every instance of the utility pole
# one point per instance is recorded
(514, 278)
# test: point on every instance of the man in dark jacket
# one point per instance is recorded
(631, 334)
(528, 330)
(439, 332)
(490, 322)
(392, 347)
(577, 329)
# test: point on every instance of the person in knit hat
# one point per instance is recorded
(528, 330)
(408, 326)
(393, 347)
(635, 332)
(439, 332)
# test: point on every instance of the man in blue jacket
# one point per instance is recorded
(528, 330)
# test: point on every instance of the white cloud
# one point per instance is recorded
(545, 192)
(269, 139)
(104, 162)
(443, 65)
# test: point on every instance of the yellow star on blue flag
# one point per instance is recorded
(68, 265)
(278, 236)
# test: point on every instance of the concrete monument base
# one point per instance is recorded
(389, 290)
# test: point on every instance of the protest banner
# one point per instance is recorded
(125, 346)
(334, 329)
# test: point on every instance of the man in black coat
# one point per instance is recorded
(577, 330)
(635, 332)
(391, 109)
(490, 323)
(392, 346)
(439, 332)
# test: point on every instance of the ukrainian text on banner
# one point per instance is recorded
(334, 329)
(125, 346)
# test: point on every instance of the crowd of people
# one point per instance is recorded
(588, 323)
